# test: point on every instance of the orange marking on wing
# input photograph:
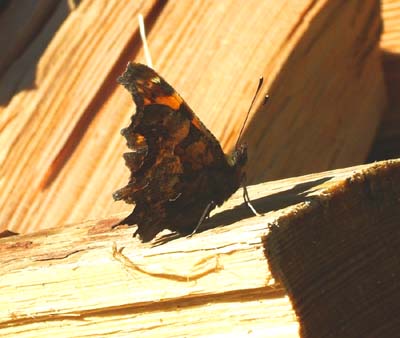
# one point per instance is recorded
(173, 101)
(196, 122)
(139, 139)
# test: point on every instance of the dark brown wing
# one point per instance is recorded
(177, 166)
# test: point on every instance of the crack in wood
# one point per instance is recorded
(130, 265)
(53, 258)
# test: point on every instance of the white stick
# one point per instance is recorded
(144, 40)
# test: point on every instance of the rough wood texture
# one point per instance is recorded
(60, 147)
(387, 142)
(339, 259)
(333, 244)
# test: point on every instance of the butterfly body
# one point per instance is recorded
(178, 168)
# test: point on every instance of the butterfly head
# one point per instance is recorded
(238, 158)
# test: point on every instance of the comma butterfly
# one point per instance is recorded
(179, 171)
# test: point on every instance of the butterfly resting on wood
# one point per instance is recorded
(179, 171)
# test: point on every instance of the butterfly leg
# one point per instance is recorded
(204, 215)
(247, 201)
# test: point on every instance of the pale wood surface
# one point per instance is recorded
(390, 40)
(86, 279)
(60, 146)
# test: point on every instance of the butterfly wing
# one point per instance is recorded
(177, 166)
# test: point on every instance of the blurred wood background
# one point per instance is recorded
(61, 110)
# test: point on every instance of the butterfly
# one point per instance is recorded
(179, 172)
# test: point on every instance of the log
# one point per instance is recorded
(330, 240)
(60, 157)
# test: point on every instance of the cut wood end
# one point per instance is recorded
(338, 254)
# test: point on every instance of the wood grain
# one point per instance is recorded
(88, 279)
(339, 258)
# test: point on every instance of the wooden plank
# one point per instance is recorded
(60, 143)
(101, 281)
(241, 317)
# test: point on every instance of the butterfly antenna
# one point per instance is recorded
(260, 82)
(144, 41)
